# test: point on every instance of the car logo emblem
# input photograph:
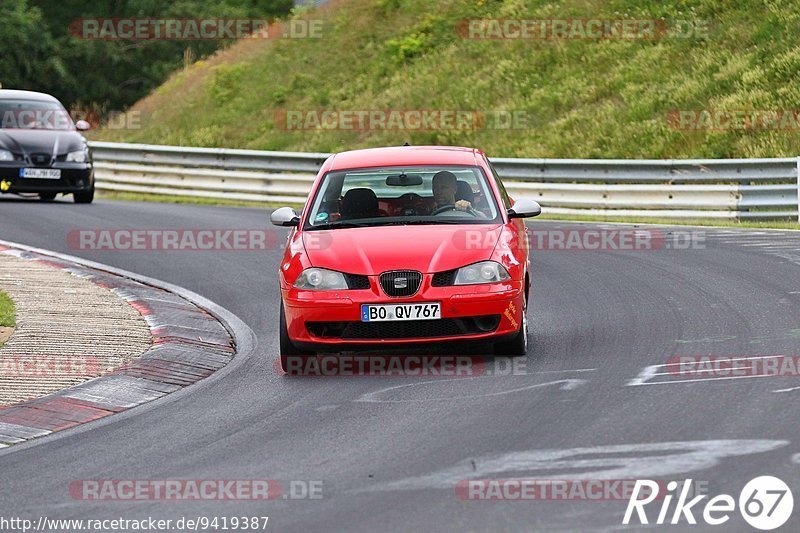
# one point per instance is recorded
(400, 283)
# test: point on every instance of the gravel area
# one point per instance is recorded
(69, 330)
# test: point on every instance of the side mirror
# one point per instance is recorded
(525, 208)
(82, 125)
(285, 216)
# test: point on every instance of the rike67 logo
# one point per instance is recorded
(765, 503)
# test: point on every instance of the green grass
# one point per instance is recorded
(7, 311)
(586, 98)
(750, 224)
(167, 199)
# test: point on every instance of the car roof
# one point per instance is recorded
(26, 95)
(404, 155)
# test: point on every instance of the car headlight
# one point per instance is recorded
(78, 156)
(483, 272)
(320, 279)
(5, 155)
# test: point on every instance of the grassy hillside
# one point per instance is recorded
(587, 98)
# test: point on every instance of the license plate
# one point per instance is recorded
(41, 173)
(383, 313)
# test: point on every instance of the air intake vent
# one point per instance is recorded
(411, 329)
(400, 283)
(41, 159)
(444, 279)
(356, 281)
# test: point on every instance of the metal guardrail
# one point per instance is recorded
(685, 188)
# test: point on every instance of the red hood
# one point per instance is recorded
(427, 249)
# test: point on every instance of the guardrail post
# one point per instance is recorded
(798, 189)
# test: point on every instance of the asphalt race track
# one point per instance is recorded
(390, 450)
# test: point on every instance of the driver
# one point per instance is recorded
(444, 192)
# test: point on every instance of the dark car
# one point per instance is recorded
(41, 149)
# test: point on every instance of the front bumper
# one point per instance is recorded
(75, 177)
(469, 313)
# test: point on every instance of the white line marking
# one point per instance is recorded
(573, 384)
(796, 458)
(690, 372)
(705, 379)
(787, 390)
(562, 371)
(625, 461)
(744, 358)
(374, 397)
(646, 373)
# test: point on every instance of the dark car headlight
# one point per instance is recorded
(483, 272)
(321, 279)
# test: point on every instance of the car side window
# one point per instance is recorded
(503, 193)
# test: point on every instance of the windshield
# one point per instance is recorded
(34, 115)
(403, 195)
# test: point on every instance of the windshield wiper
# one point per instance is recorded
(430, 222)
(340, 224)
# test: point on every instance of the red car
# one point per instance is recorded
(402, 247)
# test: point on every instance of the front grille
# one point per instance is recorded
(41, 159)
(409, 329)
(444, 279)
(357, 281)
(400, 283)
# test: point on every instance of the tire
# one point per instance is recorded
(47, 196)
(518, 346)
(290, 354)
(84, 197)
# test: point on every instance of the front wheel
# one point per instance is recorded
(518, 346)
(84, 197)
(293, 359)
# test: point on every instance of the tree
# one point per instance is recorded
(41, 53)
